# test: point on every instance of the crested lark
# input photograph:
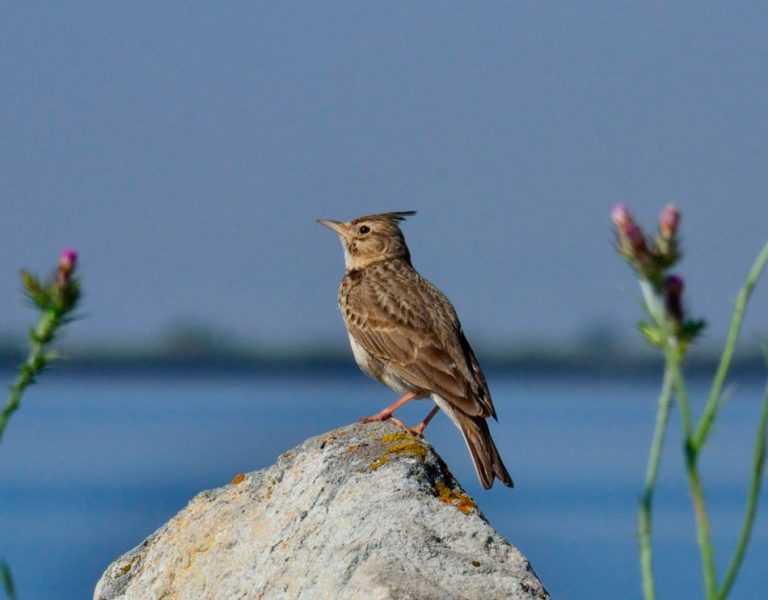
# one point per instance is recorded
(405, 333)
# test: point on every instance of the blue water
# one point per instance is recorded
(90, 466)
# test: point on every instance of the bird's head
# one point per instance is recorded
(372, 238)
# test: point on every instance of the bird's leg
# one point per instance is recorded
(386, 414)
(419, 429)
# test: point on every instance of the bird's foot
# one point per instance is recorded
(418, 431)
(382, 416)
(387, 413)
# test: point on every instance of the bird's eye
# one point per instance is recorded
(364, 229)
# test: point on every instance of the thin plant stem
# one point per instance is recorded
(702, 525)
(35, 363)
(758, 464)
(55, 298)
(644, 524)
(7, 579)
(703, 536)
(671, 331)
(674, 359)
(715, 396)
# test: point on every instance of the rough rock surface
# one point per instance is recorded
(365, 511)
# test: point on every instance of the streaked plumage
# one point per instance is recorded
(405, 333)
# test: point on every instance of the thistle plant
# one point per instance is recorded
(668, 328)
(55, 298)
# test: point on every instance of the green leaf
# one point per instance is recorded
(651, 333)
(691, 329)
(37, 293)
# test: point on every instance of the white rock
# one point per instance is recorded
(364, 512)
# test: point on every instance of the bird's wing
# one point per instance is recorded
(414, 330)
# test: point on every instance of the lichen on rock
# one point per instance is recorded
(367, 511)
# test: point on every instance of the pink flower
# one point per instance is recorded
(621, 216)
(668, 221)
(68, 257)
(67, 262)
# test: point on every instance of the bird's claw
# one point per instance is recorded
(417, 431)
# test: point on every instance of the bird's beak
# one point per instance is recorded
(334, 226)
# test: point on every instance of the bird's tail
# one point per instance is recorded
(484, 454)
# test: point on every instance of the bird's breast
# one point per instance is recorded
(363, 359)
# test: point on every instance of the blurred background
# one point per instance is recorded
(186, 150)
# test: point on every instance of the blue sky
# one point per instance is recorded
(186, 150)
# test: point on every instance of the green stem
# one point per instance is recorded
(703, 535)
(715, 396)
(7, 579)
(702, 525)
(654, 458)
(35, 363)
(758, 465)
(674, 358)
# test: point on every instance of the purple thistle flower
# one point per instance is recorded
(67, 262)
(68, 258)
(673, 296)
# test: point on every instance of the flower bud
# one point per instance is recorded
(673, 296)
(63, 282)
(668, 222)
(621, 216)
(67, 260)
(634, 235)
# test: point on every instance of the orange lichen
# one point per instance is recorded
(466, 504)
(351, 447)
(239, 478)
(458, 499)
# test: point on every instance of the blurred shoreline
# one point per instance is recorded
(574, 362)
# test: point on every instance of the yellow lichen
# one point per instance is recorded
(268, 493)
(127, 567)
(395, 437)
(351, 447)
(382, 460)
(410, 447)
(406, 444)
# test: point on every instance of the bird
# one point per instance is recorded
(404, 332)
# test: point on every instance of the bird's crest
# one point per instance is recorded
(393, 217)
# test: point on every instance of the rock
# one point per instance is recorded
(366, 511)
